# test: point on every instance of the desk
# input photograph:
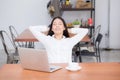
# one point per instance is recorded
(27, 35)
(89, 71)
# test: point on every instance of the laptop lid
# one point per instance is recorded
(35, 59)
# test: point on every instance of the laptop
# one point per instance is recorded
(35, 59)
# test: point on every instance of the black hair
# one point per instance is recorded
(65, 32)
(48, 4)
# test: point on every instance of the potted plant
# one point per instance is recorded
(76, 23)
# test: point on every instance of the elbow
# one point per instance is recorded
(30, 28)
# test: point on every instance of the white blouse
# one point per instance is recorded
(58, 51)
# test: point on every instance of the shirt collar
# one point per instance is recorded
(62, 37)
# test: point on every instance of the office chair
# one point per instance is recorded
(9, 48)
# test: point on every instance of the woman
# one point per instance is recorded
(57, 41)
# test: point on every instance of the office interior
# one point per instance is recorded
(24, 13)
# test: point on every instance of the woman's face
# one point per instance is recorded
(58, 26)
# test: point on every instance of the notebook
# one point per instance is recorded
(35, 59)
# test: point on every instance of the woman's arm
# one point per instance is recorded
(79, 34)
(39, 31)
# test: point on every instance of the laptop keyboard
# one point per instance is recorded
(51, 68)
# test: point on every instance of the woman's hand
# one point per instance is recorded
(70, 33)
(46, 32)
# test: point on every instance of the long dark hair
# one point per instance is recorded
(65, 32)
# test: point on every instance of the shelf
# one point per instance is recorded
(90, 9)
(77, 9)
(84, 27)
(87, 26)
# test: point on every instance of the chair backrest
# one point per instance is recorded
(14, 34)
(98, 39)
(96, 32)
(7, 42)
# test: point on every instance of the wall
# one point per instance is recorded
(102, 18)
(23, 13)
(108, 15)
(114, 29)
